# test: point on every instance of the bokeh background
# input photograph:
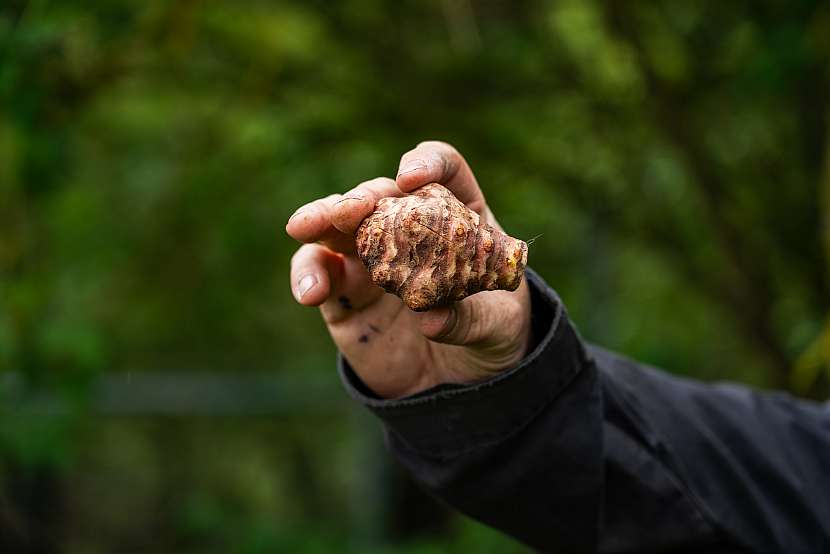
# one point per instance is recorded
(160, 390)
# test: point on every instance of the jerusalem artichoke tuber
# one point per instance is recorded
(431, 250)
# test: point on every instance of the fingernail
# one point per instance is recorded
(449, 324)
(445, 318)
(409, 167)
(306, 284)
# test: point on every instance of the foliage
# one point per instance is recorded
(669, 154)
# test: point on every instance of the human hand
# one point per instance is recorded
(395, 351)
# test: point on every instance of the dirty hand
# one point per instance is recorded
(395, 351)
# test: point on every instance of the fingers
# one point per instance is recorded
(333, 220)
(313, 223)
(476, 321)
(438, 162)
(338, 284)
(314, 271)
(441, 325)
(354, 206)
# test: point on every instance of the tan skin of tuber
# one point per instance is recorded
(431, 250)
(395, 351)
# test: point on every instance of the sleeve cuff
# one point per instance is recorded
(452, 419)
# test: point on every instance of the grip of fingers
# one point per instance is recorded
(450, 325)
(315, 271)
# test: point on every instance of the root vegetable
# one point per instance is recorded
(429, 249)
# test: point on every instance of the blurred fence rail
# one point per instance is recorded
(183, 394)
(189, 394)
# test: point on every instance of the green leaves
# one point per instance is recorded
(669, 154)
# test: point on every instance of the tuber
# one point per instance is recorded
(429, 249)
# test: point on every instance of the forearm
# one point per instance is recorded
(580, 450)
(754, 464)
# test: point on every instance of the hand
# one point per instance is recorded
(395, 351)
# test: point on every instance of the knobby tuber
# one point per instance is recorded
(429, 249)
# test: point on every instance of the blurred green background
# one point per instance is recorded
(160, 389)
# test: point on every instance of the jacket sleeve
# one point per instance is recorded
(580, 450)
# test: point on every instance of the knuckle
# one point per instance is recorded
(328, 201)
(372, 184)
(373, 189)
(444, 148)
(428, 143)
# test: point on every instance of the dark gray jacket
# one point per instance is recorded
(580, 450)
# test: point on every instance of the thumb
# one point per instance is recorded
(464, 323)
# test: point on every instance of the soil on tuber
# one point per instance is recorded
(429, 249)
